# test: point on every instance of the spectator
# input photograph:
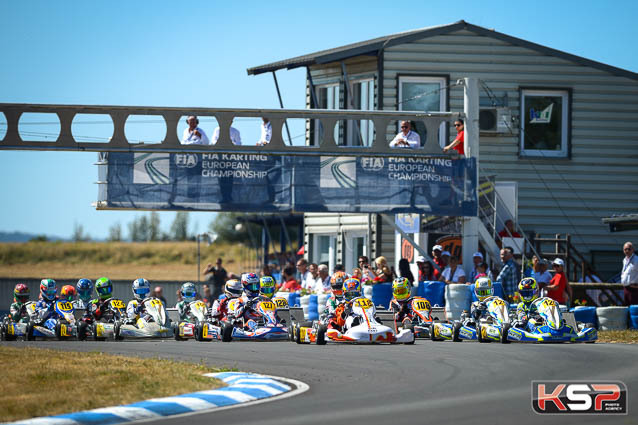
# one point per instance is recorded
(206, 296)
(305, 278)
(540, 273)
(481, 271)
(406, 137)
(477, 259)
(558, 287)
(458, 144)
(366, 272)
(193, 135)
(234, 136)
(426, 271)
(266, 271)
(453, 273)
(290, 283)
(508, 275)
(382, 273)
(629, 274)
(589, 276)
(436, 257)
(445, 258)
(404, 270)
(315, 284)
(217, 277)
(356, 273)
(178, 295)
(325, 277)
(159, 293)
(509, 230)
(266, 132)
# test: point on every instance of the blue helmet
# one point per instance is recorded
(250, 282)
(48, 289)
(84, 289)
(141, 288)
(189, 292)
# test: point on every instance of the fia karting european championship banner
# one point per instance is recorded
(239, 182)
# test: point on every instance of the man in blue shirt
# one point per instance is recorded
(509, 273)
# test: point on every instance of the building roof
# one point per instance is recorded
(373, 46)
(622, 222)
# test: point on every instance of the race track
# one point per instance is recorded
(434, 383)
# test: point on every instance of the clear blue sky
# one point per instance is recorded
(161, 53)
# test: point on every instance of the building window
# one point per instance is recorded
(327, 98)
(324, 250)
(361, 132)
(424, 94)
(545, 123)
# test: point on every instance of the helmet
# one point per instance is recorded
(267, 286)
(233, 288)
(104, 288)
(528, 289)
(336, 283)
(21, 293)
(188, 291)
(84, 288)
(250, 282)
(68, 293)
(48, 288)
(351, 288)
(141, 288)
(483, 288)
(401, 288)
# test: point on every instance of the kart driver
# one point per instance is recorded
(67, 293)
(135, 308)
(18, 310)
(98, 307)
(45, 307)
(484, 292)
(400, 303)
(250, 283)
(232, 290)
(189, 294)
(267, 287)
(336, 298)
(526, 310)
(84, 289)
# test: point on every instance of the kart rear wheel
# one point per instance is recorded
(504, 332)
(321, 335)
(58, 332)
(227, 332)
(30, 336)
(456, 329)
(298, 333)
(82, 327)
(198, 333)
(291, 333)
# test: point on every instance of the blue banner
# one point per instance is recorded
(239, 182)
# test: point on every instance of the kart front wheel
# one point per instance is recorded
(82, 327)
(456, 330)
(321, 335)
(227, 332)
(58, 331)
(116, 332)
(298, 333)
(30, 336)
(504, 332)
(479, 333)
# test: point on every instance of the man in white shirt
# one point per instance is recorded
(234, 136)
(453, 273)
(629, 274)
(322, 285)
(406, 137)
(266, 132)
(305, 278)
(193, 135)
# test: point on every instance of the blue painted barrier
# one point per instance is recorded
(313, 308)
(382, 294)
(293, 300)
(432, 291)
(585, 314)
(633, 316)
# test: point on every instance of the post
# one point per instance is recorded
(471, 109)
(281, 103)
(198, 259)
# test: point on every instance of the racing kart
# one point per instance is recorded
(10, 330)
(100, 330)
(418, 319)
(154, 323)
(199, 327)
(359, 324)
(493, 327)
(265, 327)
(550, 326)
(61, 325)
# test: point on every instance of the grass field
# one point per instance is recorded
(118, 260)
(629, 336)
(41, 382)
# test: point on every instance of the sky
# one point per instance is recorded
(195, 54)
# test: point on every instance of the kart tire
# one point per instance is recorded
(504, 332)
(291, 333)
(198, 333)
(58, 332)
(227, 332)
(479, 334)
(432, 337)
(3, 334)
(30, 336)
(116, 332)
(589, 325)
(456, 329)
(298, 333)
(176, 333)
(82, 327)
(321, 335)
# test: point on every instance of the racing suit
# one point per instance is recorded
(328, 317)
(134, 310)
(245, 311)
(97, 310)
(80, 303)
(18, 312)
(401, 309)
(183, 308)
(478, 310)
(525, 312)
(219, 311)
(45, 309)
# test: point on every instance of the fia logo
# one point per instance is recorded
(372, 164)
(579, 397)
(186, 160)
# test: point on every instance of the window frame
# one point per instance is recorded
(566, 134)
(349, 133)
(444, 99)
(318, 88)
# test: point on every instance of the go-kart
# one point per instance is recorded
(10, 330)
(100, 330)
(199, 326)
(263, 326)
(418, 318)
(550, 326)
(153, 323)
(359, 324)
(61, 325)
(493, 327)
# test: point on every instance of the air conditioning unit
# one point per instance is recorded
(495, 120)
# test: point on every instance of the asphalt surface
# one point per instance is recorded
(429, 382)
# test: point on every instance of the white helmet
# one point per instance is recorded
(233, 288)
(141, 288)
(189, 292)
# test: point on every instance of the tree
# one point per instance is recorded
(179, 228)
(78, 233)
(115, 232)
(154, 232)
(143, 228)
(224, 225)
(134, 231)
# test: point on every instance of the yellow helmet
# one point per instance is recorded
(483, 288)
(401, 288)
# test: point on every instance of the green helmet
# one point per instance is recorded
(104, 288)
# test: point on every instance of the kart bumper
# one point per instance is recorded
(544, 334)
(209, 331)
(150, 330)
(445, 331)
(278, 333)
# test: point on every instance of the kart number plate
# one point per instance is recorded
(11, 329)
(548, 303)
(302, 334)
(118, 304)
(155, 303)
(63, 331)
(363, 303)
(281, 303)
(267, 305)
(421, 305)
(200, 305)
(498, 302)
(99, 330)
(65, 306)
(205, 331)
